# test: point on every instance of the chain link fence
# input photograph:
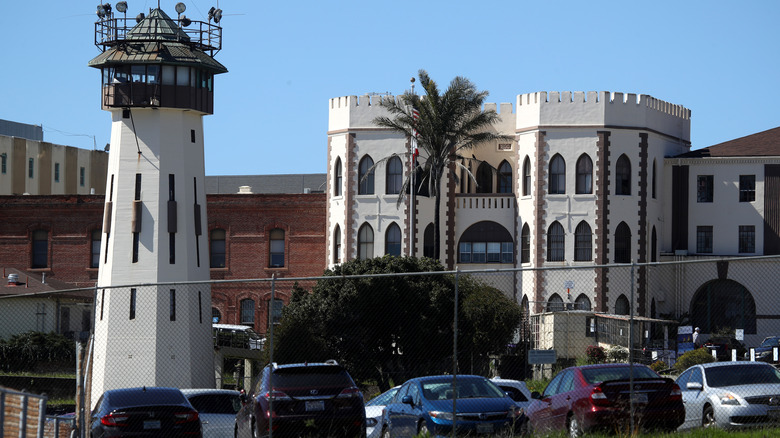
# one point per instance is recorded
(386, 326)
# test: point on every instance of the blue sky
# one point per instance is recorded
(286, 59)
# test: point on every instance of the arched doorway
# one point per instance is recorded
(721, 304)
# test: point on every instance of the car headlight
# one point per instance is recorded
(729, 399)
(441, 415)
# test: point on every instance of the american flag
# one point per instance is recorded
(415, 117)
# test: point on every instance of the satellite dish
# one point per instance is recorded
(185, 21)
(180, 7)
(121, 6)
(139, 17)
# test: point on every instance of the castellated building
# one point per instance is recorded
(588, 179)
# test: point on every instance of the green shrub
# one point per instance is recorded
(658, 366)
(693, 357)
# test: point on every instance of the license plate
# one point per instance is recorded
(317, 405)
(640, 397)
(151, 424)
(774, 414)
(484, 428)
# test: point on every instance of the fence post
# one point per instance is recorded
(455, 358)
(631, 354)
(271, 360)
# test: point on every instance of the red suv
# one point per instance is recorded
(305, 399)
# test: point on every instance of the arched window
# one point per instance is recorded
(40, 249)
(504, 177)
(557, 175)
(337, 245)
(393, 240)
(622, 243)
(428, 246)
(248, 311)
(366, 176)
(484, 178)
(217, 248)
(582, 302)
(555, 304)
(623, 176)
(584, 182)
(275, 309)
(653, 182)
(486, 242)
(525, 244)
(365, 242)
(556, 243)
(94, 254)
(337, 178)
(622, 305)
(583, 243)
(653, 246)
(276, 248)
(393, 179)
(526, 176)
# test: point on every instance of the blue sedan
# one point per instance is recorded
(425, 405)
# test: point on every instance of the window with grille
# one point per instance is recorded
(747, 188)
(557, 175)
(248, 312)
(747, 239)
(276, 248)
(584, 182)
(583, 242)
(704, 239)
(366, 176)
(365, 242)
(704, 188)
(556, 243)
(394, 177)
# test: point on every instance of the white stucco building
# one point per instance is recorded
(589, 179)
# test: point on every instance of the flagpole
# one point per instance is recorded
(412, 169)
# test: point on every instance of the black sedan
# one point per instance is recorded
(144, 412)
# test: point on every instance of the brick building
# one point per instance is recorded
(252, 236)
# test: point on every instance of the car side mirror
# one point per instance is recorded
(536, 396)
(408, 400)
(242, 397)
(694, 385)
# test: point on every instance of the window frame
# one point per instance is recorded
(747, 188)
(394, 176)
(274, 244)
(622, 243)
(527, 176)
(584, 180)
(705, 188)
(366, 176)
(583, 242)
(747, 239)
(556, 242)
(338, 180)
(504, 178)
(94, 252)
(39, 249)
(525, 244)
(213, 252)
(557, 174)
(337, 244)
(704, 239)
(393, 231)
(246, 311)
(623, 176)
(484, 178)
(365, 242)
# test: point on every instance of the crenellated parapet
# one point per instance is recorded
(604, 108)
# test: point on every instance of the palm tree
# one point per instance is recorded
(449, 125)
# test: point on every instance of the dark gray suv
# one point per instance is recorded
(306, 399)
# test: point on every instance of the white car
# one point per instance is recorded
(374, 408)
(517, 390)
(216, 409)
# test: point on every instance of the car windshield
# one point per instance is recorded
(732, 375)
(382, 399)
(771, 342)
(598, 375)
(216, 403)
(467, 388)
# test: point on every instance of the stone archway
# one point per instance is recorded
(720, 304)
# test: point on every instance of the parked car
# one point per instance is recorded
(517, 390)
(598, 397)
(424, 405)
(731, 395)
(306, 399)
(144, 412)
(764, 352)
(374, 410)
(217, 409)
(722, 346)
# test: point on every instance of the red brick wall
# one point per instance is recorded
(246, 218)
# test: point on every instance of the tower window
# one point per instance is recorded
(82, 176)
(30, 167)
(56, 172)
(365, 242)
(276, 254)
(366, 176)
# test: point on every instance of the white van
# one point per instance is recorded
(237, 336)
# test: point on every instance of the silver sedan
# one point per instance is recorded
(731, 395)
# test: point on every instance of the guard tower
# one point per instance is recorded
(157, 82)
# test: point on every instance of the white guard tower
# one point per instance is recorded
(157, 83)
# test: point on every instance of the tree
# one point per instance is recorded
(449, 125)
(390, 328)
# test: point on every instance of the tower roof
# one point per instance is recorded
(157, 39)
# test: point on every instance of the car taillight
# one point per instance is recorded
(185, 417)
(350, 392)
(114, 420)
(675, 394)
(276, 395)
(598, 398)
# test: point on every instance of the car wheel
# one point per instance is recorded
(422, 429)
(708, 417)
(575, 430)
